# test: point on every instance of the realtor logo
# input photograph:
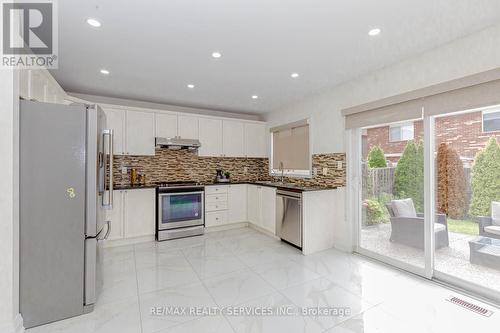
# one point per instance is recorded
(29, 34)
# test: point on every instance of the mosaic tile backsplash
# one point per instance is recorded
(183, 165)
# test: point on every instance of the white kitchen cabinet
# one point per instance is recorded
(237, 203)
(254, 193)
(133, 214)
(39, 85)
(166, 125)
(139, 213)
(255, 140)
(187, 127)
(233, 138)
(115, 215)
(115, 120)
(268, 209)
(215, 219)
(261, 207)
(210, 136)
(24, 83)
(140, 129)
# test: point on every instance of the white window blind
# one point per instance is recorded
(290, 149)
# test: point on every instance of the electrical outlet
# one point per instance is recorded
(124, 170)
(339, 165)
(325, 171)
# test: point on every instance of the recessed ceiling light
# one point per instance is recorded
(374, 32)
(295, 75)
(255, 97)
(104, 71)
(216, 55)
(93, 22)
(190, 86)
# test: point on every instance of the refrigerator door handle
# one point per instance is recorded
(108, 181)
(108, 231)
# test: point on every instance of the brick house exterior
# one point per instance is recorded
(463, 132)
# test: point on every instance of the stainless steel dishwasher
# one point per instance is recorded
(289, 216)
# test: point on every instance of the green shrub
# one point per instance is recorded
(485, 179)
(384, 198)
(374, 212)
(376, 158)
(409, 175)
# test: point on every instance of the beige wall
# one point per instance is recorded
(466, 56)
(9, 202)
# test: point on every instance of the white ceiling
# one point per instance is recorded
(153, 49)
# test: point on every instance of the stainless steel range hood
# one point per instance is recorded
(177, 143)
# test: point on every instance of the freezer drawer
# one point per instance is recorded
(289, 217)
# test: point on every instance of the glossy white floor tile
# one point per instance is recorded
(237, 287)
(245, 269)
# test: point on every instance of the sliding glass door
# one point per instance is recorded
(392, 212)
(428, 194)
(467, 192)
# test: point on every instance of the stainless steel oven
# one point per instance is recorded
(180, 210)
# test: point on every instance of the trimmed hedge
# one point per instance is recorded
(409, 175)
(376, 158)
(485, 179)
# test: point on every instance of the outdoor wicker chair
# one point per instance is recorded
(489, 226)
(409, 230)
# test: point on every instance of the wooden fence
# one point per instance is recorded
(381, 180)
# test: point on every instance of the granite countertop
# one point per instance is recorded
(279, 185)
(261, 183)
(133, 187)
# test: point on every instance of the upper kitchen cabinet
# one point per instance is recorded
(166, 125)
(233, 138)
(187, 127)
(139, 134)
(210, 136)
(115, 120)
(255, 140)
(133, 131)
(39, 85)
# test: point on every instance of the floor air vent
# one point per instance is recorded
(469, 306)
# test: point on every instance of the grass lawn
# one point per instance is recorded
(463, 226)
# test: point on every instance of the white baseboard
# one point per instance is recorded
(16, 326)
(226, 227)
(262, 230)
(127, 241)
(344, 248)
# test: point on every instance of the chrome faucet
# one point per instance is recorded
(281, 168)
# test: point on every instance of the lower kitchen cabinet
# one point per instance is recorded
(115, 215)
(268, 209)
(261, 203)
(133, 214)
(254, 193)
(237, 203)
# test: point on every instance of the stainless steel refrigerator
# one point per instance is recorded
(65, 188)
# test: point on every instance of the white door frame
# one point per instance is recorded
(354, 208)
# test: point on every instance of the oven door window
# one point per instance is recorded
(181, 207)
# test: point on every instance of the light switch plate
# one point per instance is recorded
(325, 171)
(315, 171)
(245, 169)
(339, 165)
(124, 170)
